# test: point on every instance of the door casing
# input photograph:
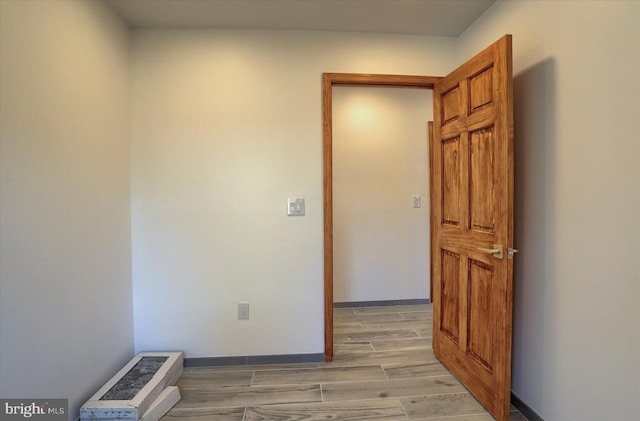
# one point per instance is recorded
(328, 81)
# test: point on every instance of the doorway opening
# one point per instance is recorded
(346, 79)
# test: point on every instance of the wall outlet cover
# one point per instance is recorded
(243, 311)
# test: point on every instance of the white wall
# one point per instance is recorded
(577, 278)
(65, 277)
(380, 160)
(227, 125)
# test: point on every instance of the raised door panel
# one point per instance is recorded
(480, 90)
(481, 180)
(451, 182)
(479, 313)
(451, 105)
(450, 294)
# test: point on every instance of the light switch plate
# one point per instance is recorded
(295, 206)
(417, 201)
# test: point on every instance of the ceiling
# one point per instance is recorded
(416, 17)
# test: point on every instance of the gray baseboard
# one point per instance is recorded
(382, 303)
(253, 360)
(524, 409)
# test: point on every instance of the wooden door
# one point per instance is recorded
(472, 187)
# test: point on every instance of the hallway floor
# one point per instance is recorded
(383, 369)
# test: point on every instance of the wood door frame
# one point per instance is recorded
(328, 81)
(432, 200)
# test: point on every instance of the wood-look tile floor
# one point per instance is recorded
(383, 369)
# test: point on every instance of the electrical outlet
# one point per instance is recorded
(243, 311)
